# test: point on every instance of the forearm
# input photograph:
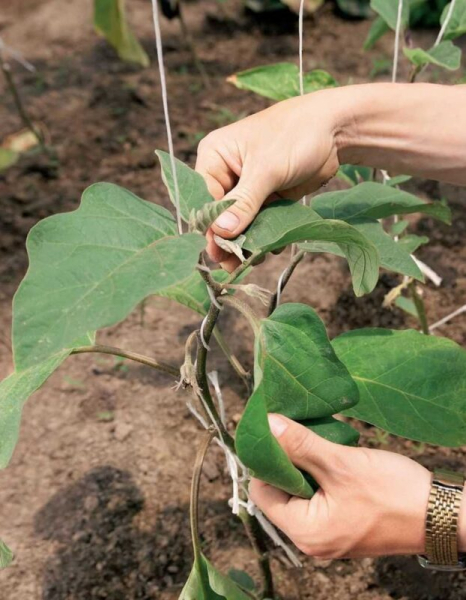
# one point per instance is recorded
(413, 129)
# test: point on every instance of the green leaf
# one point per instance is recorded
(297, 375)
(412, 242)
(457, 24)
(333, 430)
(192, 188)
(355, 8)
(445, 55)
(243, 579)
(206, 583)
(354, 174)
(302, 377)
(193, 291)
(410, 384)
(399, 227)
(285, 222)
(7, 158)
(6, 555)
(110, 21)
(376, 201)
(281, 81)
(393, 255)
(90, 268)
(398, 180)
(378, 29)
(388, 10)
(14, 391)
(407, 305)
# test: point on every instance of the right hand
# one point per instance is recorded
(288, 150)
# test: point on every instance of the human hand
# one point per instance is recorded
(288, 150)
(370, 502)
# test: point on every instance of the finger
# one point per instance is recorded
(278, 506)
(306, 449)
(219, 176)
(250, 194)
(230, 263)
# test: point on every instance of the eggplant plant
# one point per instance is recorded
(89, 269)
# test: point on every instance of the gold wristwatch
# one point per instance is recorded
(443, 510)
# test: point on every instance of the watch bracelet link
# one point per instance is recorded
(443, 509)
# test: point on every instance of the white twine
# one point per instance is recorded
(17, 56)
(163, 84)
(201, 333)
(279, 286)
(213, 299)
(396, 52)
(197, 415)
(213, 377)
(452, 315)
(427, 271)
(445, 23)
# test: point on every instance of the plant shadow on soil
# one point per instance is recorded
(102, 551)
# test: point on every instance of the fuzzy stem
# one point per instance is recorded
(28, 124)
(296, 259)
(240, 270)
(420, 308)
(194, 504)
(140, 358)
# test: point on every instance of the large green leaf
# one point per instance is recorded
(6, 555)
(376, 201)
(110, 21)
(280, 81)
(206, 583)
(394, 256)
(388, 10)
(89, 268)
(14, 391)
(298, 375)
(354, 174)
(410, 384)
(457, 24)
(192, 188)
(445, 55)
(285, 222)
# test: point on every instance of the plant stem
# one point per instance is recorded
(240, 270)
(257, 540)
(140, 358)
(420, 308)
(194, 504)
(192, 48)
(296, 259)
(201, 375)
(28, 124)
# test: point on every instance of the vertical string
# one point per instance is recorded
(396, 52)
(445, 23)
(163, 84)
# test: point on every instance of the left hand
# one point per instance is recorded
(370, 502)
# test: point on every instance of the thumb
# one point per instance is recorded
(306, 449)
(249, 194)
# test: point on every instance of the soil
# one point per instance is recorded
(95, 500)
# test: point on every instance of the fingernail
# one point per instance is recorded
(228, 221)
(277, 425)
